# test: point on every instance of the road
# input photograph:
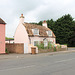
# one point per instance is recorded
(59, 64)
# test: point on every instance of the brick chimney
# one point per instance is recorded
(21, 19)
(44, 23)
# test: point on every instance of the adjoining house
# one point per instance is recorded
(2, 36)
(33, 34)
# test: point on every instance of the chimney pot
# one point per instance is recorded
(44, 21)
(21, 14)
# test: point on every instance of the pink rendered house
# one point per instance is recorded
(2, 36)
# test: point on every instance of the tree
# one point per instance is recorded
(71, 39)
(63, 29)
(50, 24)
(40, 23)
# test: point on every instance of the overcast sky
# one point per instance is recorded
(34, 11)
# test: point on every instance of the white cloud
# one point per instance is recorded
(33, 10)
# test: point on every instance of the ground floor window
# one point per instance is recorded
(35, 43)
(45, 42)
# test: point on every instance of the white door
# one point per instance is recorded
(25, 48)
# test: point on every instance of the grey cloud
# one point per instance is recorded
(55, 10)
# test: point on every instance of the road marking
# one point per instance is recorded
(64, 60)
(18, 68)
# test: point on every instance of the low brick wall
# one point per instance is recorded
(44, 50)
(52, 50)
(15, 47)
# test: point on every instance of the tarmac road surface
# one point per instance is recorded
(59, 64)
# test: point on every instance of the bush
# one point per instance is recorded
(6, 51)
(49, 45)
(40, 46)
(54, 48)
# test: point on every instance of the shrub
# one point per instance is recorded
(49, 45)
(6, 51)
(54, 48)
(40, 46)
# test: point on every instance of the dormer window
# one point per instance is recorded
(49, 33)
(35, 31)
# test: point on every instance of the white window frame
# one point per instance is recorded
(49, 34)
(34, 43)
(37, 31)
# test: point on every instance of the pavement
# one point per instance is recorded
(14, 56)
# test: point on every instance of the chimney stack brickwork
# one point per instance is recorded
(44, 23)
(21, 19)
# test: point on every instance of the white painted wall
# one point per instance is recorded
(21, 35)
(41, 39)
(21, 20)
